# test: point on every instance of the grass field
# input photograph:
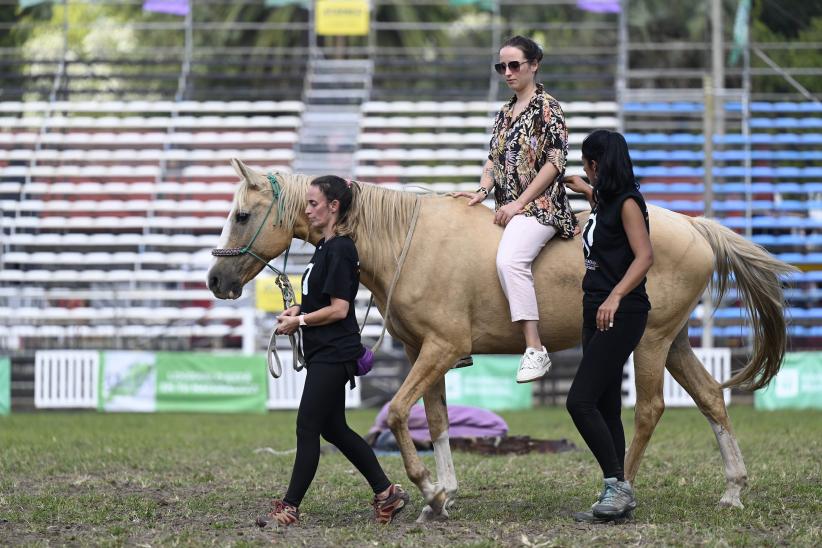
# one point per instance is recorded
(96, 479)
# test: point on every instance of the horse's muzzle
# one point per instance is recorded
(223, 289)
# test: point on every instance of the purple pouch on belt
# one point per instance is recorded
(365, 362)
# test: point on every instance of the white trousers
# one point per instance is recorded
(523, 239)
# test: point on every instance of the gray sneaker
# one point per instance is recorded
(617, 500)
(589, 517)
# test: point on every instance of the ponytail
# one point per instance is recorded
(615, 171)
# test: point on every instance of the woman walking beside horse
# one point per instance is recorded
(331, 344)
(526, 161)
(618, 254)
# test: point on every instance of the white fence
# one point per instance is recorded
(285, 392)
(70, 379)
(66, 378)
(716, 360)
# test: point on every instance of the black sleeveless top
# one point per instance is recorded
(608, 255)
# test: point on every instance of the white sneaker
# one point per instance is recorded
(534, 365)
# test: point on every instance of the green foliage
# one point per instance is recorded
(101, 29)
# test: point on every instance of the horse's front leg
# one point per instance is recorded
(434, 360)
(436, 412)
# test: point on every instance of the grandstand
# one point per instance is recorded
(111, 201)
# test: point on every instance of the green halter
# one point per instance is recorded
(276, 192)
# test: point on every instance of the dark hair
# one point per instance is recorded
(615, 171)
(528, 47)
(342, 190)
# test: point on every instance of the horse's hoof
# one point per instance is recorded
(428, 515)
(731, 502)
(438, 501)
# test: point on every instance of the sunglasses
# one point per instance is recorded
(513, 65)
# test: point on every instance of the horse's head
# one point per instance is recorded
(259, 228)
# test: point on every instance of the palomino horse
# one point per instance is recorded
(448, 303)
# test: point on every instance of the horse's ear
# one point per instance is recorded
(244, 172)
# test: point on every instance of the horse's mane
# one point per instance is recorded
(380, 216)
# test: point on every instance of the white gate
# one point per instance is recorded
(716, 360)
(285, 392)
(66, 378)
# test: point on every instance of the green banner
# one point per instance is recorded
(490, 383)
(5, 386)
(798, 385)
(127, 382)
(211, 382)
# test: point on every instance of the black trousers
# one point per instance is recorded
(322, 413)
(595, 398)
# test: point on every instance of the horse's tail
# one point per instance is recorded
(757, 280)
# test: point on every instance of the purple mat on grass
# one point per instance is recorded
(464, 422)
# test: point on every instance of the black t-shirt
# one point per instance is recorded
(334, 271)
(608, 255)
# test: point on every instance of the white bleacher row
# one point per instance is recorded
(210, 222)
(476, 155)
(147, 155)
(124, 331)
(473, 172)
(109, 294)
(138, 107)
(153, 314)
(124, 206)
(608, 107)
(85, 276)
(483, 123)
(140, 331)
(101, 293)
(114, 188)
(429, 139)
(145, 139)
(70, 258)
(123, 171)
(149, 122)
(63, 241)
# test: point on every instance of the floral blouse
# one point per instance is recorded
(520, 148)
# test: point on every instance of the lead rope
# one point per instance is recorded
(282, 281)
(275, 367)
(400, 262)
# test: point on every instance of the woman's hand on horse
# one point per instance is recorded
(607, 311)
(291, 311)
(577, 184)
(287, 325)
(473, 197)
(507, 212)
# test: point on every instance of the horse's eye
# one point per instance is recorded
(242, 217)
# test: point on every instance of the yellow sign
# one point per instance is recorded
(342, 17)
(269, 296)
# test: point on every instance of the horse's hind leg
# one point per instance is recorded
(649, 370)
(435, 358)
(707, 393)
(436, 411)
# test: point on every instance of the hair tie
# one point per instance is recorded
(348, 183)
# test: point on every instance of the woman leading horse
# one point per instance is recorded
(447, 303)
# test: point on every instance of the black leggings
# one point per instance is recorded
(322, 413)
(595, 398)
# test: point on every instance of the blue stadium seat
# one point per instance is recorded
(764, 222)
(801, 258)
(785, 123)
(784, 106)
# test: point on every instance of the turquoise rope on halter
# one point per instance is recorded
(276, 191)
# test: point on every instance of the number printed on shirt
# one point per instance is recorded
(588, 234)
(306, 276)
